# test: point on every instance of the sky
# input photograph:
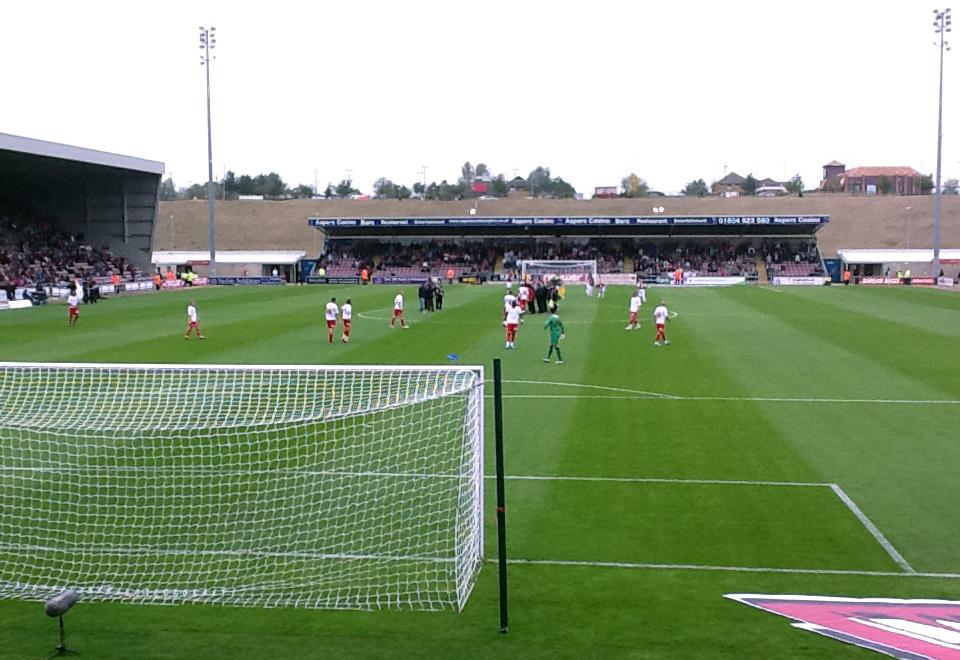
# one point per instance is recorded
(593, 90)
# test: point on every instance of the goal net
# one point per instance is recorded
(570, 272)
(319, 487)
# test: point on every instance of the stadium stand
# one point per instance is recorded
(436, 258)
(35, 252)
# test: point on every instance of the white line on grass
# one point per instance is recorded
(643, 394)
(769, 288)
(655, 480)
(731, 569)
(655, 395)
(874, 531)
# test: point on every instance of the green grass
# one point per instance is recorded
(805, 385)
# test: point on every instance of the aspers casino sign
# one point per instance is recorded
(911, 629)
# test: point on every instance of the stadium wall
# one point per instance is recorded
(868, 222)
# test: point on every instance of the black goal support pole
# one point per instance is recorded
(501, 509)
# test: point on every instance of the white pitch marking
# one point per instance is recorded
(731, 569)
(656, 480)
(756, 399)
(874, 531)
(769, 288)
(593, 387)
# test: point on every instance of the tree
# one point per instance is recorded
(697, 188)
(499, 186)
(444, 191)
(419, 189)
(403, 192)
(794, 185)
(467, 173)
(539, 182)
(384, 189)
(926, 184)
(329, 192)
(168, 191)
(269, 185)
(345, 188)
(750, 185)
(245, 185)
(884, 184)
(481, 170)
(950, 187)
(562, 189)
(196, 191)
(230, 185)
(634, 186)
(303, 191)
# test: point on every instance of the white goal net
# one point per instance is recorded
(569, 272)
(319, 487)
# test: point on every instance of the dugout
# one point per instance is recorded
(108, 198)
(878, 264)
(252, 264)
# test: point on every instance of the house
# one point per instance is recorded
(832, 169)
(605, 192)
(871, 180)
(729, 186)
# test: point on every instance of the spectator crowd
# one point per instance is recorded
(650, 258)
(36, 253)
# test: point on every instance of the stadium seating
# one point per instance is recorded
(33, 252)
(435, 258)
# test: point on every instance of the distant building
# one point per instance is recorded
(729, 186)
(871, 180)
(518, 183)
(832, 169)
(605, 192)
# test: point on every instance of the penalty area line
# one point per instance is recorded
(659, 480)
(729, 569)
(644, 394)
(873, 529)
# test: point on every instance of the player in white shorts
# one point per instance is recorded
(635, 303)
(512, 321)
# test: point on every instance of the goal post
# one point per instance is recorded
(347, 487)
(570, 272)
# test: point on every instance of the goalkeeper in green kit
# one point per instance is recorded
(555, 326)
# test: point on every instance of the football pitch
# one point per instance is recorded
(788, 441)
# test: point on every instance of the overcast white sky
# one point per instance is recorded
(595, 90)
